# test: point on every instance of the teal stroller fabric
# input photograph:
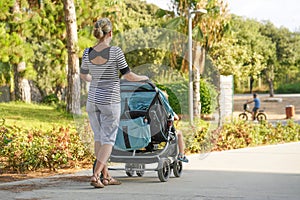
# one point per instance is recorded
(133, 134)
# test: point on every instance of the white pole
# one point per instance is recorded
(190, 59)
(191, 113)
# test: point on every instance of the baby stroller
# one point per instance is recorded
(146, 133)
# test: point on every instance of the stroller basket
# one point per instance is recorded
(133, 134)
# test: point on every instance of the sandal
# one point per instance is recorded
(111, 181)
(95, 181)
(182, 158)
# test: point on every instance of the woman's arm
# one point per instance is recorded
(86, 77)
(134, 77)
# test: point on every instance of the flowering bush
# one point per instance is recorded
(239, 134)
(23, 150)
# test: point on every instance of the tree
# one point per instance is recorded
(245, 52)
(286, 53)
(73, 90)
(15, 52)
(48, 40)
(208, 30)
(36, 39)
(22, 89)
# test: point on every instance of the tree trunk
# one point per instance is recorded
(198, 66)
(251, 84)
(73, 89)
(270, 78)
(271, 87)
(21, 88)
(185, 63)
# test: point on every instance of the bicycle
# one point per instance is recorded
(260, 115)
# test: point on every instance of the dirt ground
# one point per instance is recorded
(10, 177)
(274, 107)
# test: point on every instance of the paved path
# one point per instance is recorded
(270, 172)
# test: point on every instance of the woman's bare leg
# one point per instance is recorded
(102, 153)
(97, 149)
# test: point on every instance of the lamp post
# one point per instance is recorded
(190, 58)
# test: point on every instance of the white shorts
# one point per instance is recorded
(104, 121)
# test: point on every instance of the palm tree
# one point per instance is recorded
(208, 30)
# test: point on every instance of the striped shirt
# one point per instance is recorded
(105, 85)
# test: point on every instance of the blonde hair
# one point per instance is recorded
(101, 28)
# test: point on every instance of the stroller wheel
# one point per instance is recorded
(128, 169)
(141, 172)
(129, 173)
(177, 168)
(163, 170)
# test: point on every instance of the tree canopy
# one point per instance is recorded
(33, 36)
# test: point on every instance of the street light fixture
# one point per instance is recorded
(190, 16)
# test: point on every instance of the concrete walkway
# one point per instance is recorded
(281, 158)
(269, 172)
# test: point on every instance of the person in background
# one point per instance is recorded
(100, 66)
(256, 102)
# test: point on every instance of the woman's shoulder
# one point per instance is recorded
(116, 48)
(86, 50)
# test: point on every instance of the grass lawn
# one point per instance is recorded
(33, 115)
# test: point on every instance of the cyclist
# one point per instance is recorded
(256, 105)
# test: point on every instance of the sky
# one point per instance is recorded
(280, 12)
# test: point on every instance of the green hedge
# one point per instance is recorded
(208, 97)
(288, 88)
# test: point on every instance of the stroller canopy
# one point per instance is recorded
(137, 96)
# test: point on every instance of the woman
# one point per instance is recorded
(101, 65)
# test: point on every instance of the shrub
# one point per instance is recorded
(178, 96)
(239, 134)
(197, 137)
(289, 88)
(173, 100)
(208, 96)
(50, 99)
(23, 150)
(232, 136)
